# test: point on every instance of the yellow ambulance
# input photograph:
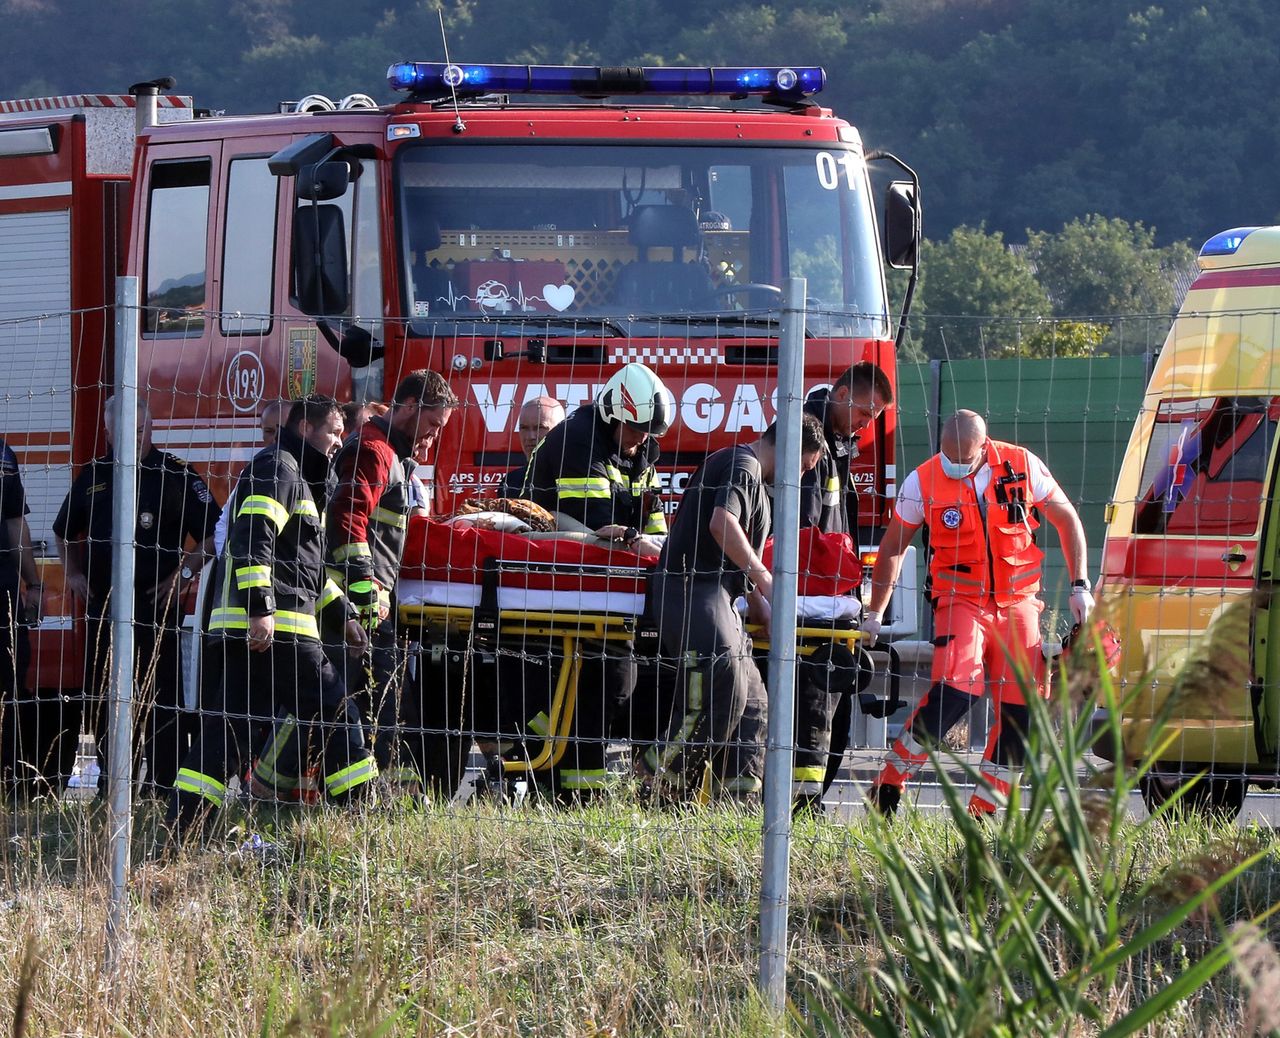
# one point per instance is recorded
(1193, 527)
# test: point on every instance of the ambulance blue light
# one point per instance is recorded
(1227, 242)
(436, 79)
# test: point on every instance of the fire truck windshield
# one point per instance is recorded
(638, 236)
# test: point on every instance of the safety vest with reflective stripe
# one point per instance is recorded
(973, 556)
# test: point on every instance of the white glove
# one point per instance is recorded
(1081, 605)
(870, 628)
(1051, 647)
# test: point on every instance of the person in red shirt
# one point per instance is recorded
(366, 521)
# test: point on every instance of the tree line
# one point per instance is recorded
(1025, 118)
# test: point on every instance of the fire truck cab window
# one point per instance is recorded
(1205, 473)
(634, 233)
(177, 230)
(249, 247)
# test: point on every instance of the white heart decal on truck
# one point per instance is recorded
(558, 297)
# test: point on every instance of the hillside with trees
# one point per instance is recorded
(1118, 130)
(1019, 114)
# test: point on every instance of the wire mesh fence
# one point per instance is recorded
(496, 760)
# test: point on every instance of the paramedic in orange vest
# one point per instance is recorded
(976, 498)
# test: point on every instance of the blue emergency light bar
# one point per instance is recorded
(436, 79)
(1227, 242)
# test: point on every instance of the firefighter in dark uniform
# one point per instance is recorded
(829, 501)
(176, 516)
(270, 587)
(597, 468)
(711, 559)
(20, 750)
(367, 521)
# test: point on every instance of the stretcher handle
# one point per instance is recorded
(873, 706)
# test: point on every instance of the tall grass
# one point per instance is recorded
(1064, 917)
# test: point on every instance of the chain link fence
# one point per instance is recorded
(518, 789)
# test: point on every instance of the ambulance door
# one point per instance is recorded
(1266, 631)
(1197, 527)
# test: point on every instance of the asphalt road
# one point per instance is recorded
(845, 799)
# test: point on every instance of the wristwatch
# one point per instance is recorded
(187, 573)
(630, 535)
(1081, 585)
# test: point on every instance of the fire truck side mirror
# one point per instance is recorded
(901, 225)
(323, 181)
(320, 261)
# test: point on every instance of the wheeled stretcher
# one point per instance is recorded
(487, 615)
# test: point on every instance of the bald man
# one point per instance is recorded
(537, 418)
(977, 497)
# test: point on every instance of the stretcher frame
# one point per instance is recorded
(486, 628)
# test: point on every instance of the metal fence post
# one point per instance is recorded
(780, 756)
(124, 507)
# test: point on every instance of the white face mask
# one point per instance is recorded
(956, 469)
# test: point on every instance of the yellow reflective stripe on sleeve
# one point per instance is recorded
(385, 515)
(305, 507)
(590, 487)
(808, 774)
(290, 622)
(354, 550)
(330, 594)
(833, 485)
(269, 507)
(348, 778)
(615, 473)
(188, 781)
(657, 523)
(229, 618)
(253, 576)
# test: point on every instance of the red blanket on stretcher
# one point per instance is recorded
(829, 563)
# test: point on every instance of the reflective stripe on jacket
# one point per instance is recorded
(578, 470)
(273, 561)
(973, 556)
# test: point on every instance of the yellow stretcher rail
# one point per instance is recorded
(572, 628)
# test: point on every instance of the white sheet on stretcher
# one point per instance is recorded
(531, 600)
(467, 596)
(819, 607)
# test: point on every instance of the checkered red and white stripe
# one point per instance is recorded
(666, 355)
(49, 104)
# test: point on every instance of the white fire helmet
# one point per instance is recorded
(636, 397)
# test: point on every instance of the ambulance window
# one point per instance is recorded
(248, 248)
(1206, 467)
(177, 230)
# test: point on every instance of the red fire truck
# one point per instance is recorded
(524, 229)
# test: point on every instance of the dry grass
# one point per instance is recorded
(489, 921)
